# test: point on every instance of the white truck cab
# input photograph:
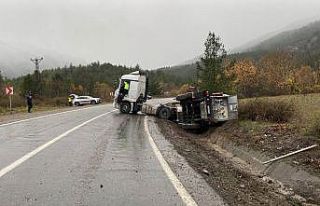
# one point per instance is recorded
(130, 100)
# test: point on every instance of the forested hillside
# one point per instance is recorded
(93, 79)
(302, 43)
(183, 73)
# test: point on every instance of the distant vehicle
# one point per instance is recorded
(71, 97)
(83, 100)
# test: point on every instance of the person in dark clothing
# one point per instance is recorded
(29, 101)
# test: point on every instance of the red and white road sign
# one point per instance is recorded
(9, 90)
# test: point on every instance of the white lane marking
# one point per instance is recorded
(42, 147)
(185, 196)
(44, 116)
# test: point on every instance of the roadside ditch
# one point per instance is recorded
(230, 161)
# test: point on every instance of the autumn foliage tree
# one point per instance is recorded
(244, 74)
(103, 90)
(304, 78)
(275, 73)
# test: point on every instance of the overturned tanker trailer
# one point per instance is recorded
(194, 110)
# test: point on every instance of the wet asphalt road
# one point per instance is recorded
(108, 161)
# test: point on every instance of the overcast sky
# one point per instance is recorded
(152, 33)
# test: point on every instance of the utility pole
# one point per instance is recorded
(37, 61)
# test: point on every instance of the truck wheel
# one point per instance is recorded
(125, 107)
(134, 112)
(164, 113)
(93, 102)
(135, 109)
(77, 103)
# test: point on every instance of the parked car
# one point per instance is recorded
(71, 97)
(83, 100)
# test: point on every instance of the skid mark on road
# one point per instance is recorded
(185, 196)
(90, 172)
(44, 146)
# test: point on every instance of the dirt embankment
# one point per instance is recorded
(275, 140)
(234, 179)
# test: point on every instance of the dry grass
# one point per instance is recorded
(265, 109)
(40, 104)
(314, 127)
(305, 116)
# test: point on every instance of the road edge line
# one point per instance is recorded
(44, 116)
(29, 155)
(184, 194)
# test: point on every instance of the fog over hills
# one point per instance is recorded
(303, 43)
(302, 37)
(307, 36)
(15, 59)
(254, 42)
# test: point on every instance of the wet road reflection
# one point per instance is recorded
(107, 162)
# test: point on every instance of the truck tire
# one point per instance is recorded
(93, 102)
(125, 107)
(77, 103)
(164, 113)
(136, 108)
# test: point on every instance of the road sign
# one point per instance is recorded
(9, 90)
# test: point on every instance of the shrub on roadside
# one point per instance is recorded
(17, 101)
(263, 109)
(53, 102)
(314, 128)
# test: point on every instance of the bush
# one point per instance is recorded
(17, 101)
(315, 127)
(266, 110)
(53, 102)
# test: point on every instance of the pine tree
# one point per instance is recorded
(212, 75)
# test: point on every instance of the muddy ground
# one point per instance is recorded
(236, 185)
(275, 140)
